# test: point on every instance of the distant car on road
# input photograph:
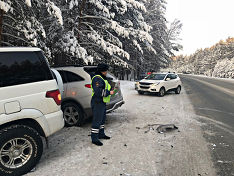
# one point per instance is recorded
(159, 83)
(78, 93)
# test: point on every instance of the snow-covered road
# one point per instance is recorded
(135, 149)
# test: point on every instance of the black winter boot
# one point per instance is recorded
(104, 137)
(98, 143)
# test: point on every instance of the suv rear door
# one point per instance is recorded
(174, 81)
(73, 84)
(25, 78)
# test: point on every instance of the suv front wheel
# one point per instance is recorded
(140, 92)
(72, 114)
(21, 148)
(162, 92)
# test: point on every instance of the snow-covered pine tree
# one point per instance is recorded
(164, 38)
(64, 40)
(22, 22)
(107, 29)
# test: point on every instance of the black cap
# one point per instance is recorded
(102, 67)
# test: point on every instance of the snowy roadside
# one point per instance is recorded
(135, 149)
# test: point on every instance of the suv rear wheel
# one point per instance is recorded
(72, 114)
(178, 90)
(21, 148)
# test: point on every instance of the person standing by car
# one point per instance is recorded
(100, 96)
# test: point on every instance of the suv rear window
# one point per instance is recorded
(91, 71)
(173, 76)
(68, 76)
(22, 68)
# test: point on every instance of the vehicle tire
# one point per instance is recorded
(72, 114)
(140, 92)
(178, 90)
(21, 148)
(162, 92)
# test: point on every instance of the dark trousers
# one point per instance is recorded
(99, 118)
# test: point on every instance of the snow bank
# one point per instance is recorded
(224, 68)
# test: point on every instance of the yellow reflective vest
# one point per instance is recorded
(107, 87)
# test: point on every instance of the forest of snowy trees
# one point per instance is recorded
(128, 34)
(216, 61)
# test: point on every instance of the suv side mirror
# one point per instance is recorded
(168, 79)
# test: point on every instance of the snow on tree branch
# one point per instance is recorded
(137, 5)
(106, 46)
(28, 3)
(53, 9)
(72, 4)
(101, 7)
(5, 6)
(70, 45)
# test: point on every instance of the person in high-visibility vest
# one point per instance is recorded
(100, 96)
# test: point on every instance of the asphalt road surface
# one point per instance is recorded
(213, 102)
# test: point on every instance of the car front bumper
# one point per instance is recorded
(152, 89)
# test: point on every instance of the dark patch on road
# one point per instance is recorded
(217, 111)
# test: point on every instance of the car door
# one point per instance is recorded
(75, 85)
(173, 81)
(177, 81)
(115, 84)
(64, 80)
(168, 83)
(59, 81)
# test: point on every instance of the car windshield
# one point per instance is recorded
(156, 77)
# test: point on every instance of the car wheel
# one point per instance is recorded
(162, 92)
(72, 114)
(21, 148)
(178, 90)
(140, 92)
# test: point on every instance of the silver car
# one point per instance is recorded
(77, 93)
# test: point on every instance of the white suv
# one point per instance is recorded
(78, 93)
(159, 83)
(29, 108)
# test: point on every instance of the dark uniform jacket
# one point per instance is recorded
(98, 86)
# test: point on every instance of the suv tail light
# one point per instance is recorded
(55, 94)
(88, 85)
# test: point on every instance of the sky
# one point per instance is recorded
(205, 22)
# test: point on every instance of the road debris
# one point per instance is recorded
(167, 127)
